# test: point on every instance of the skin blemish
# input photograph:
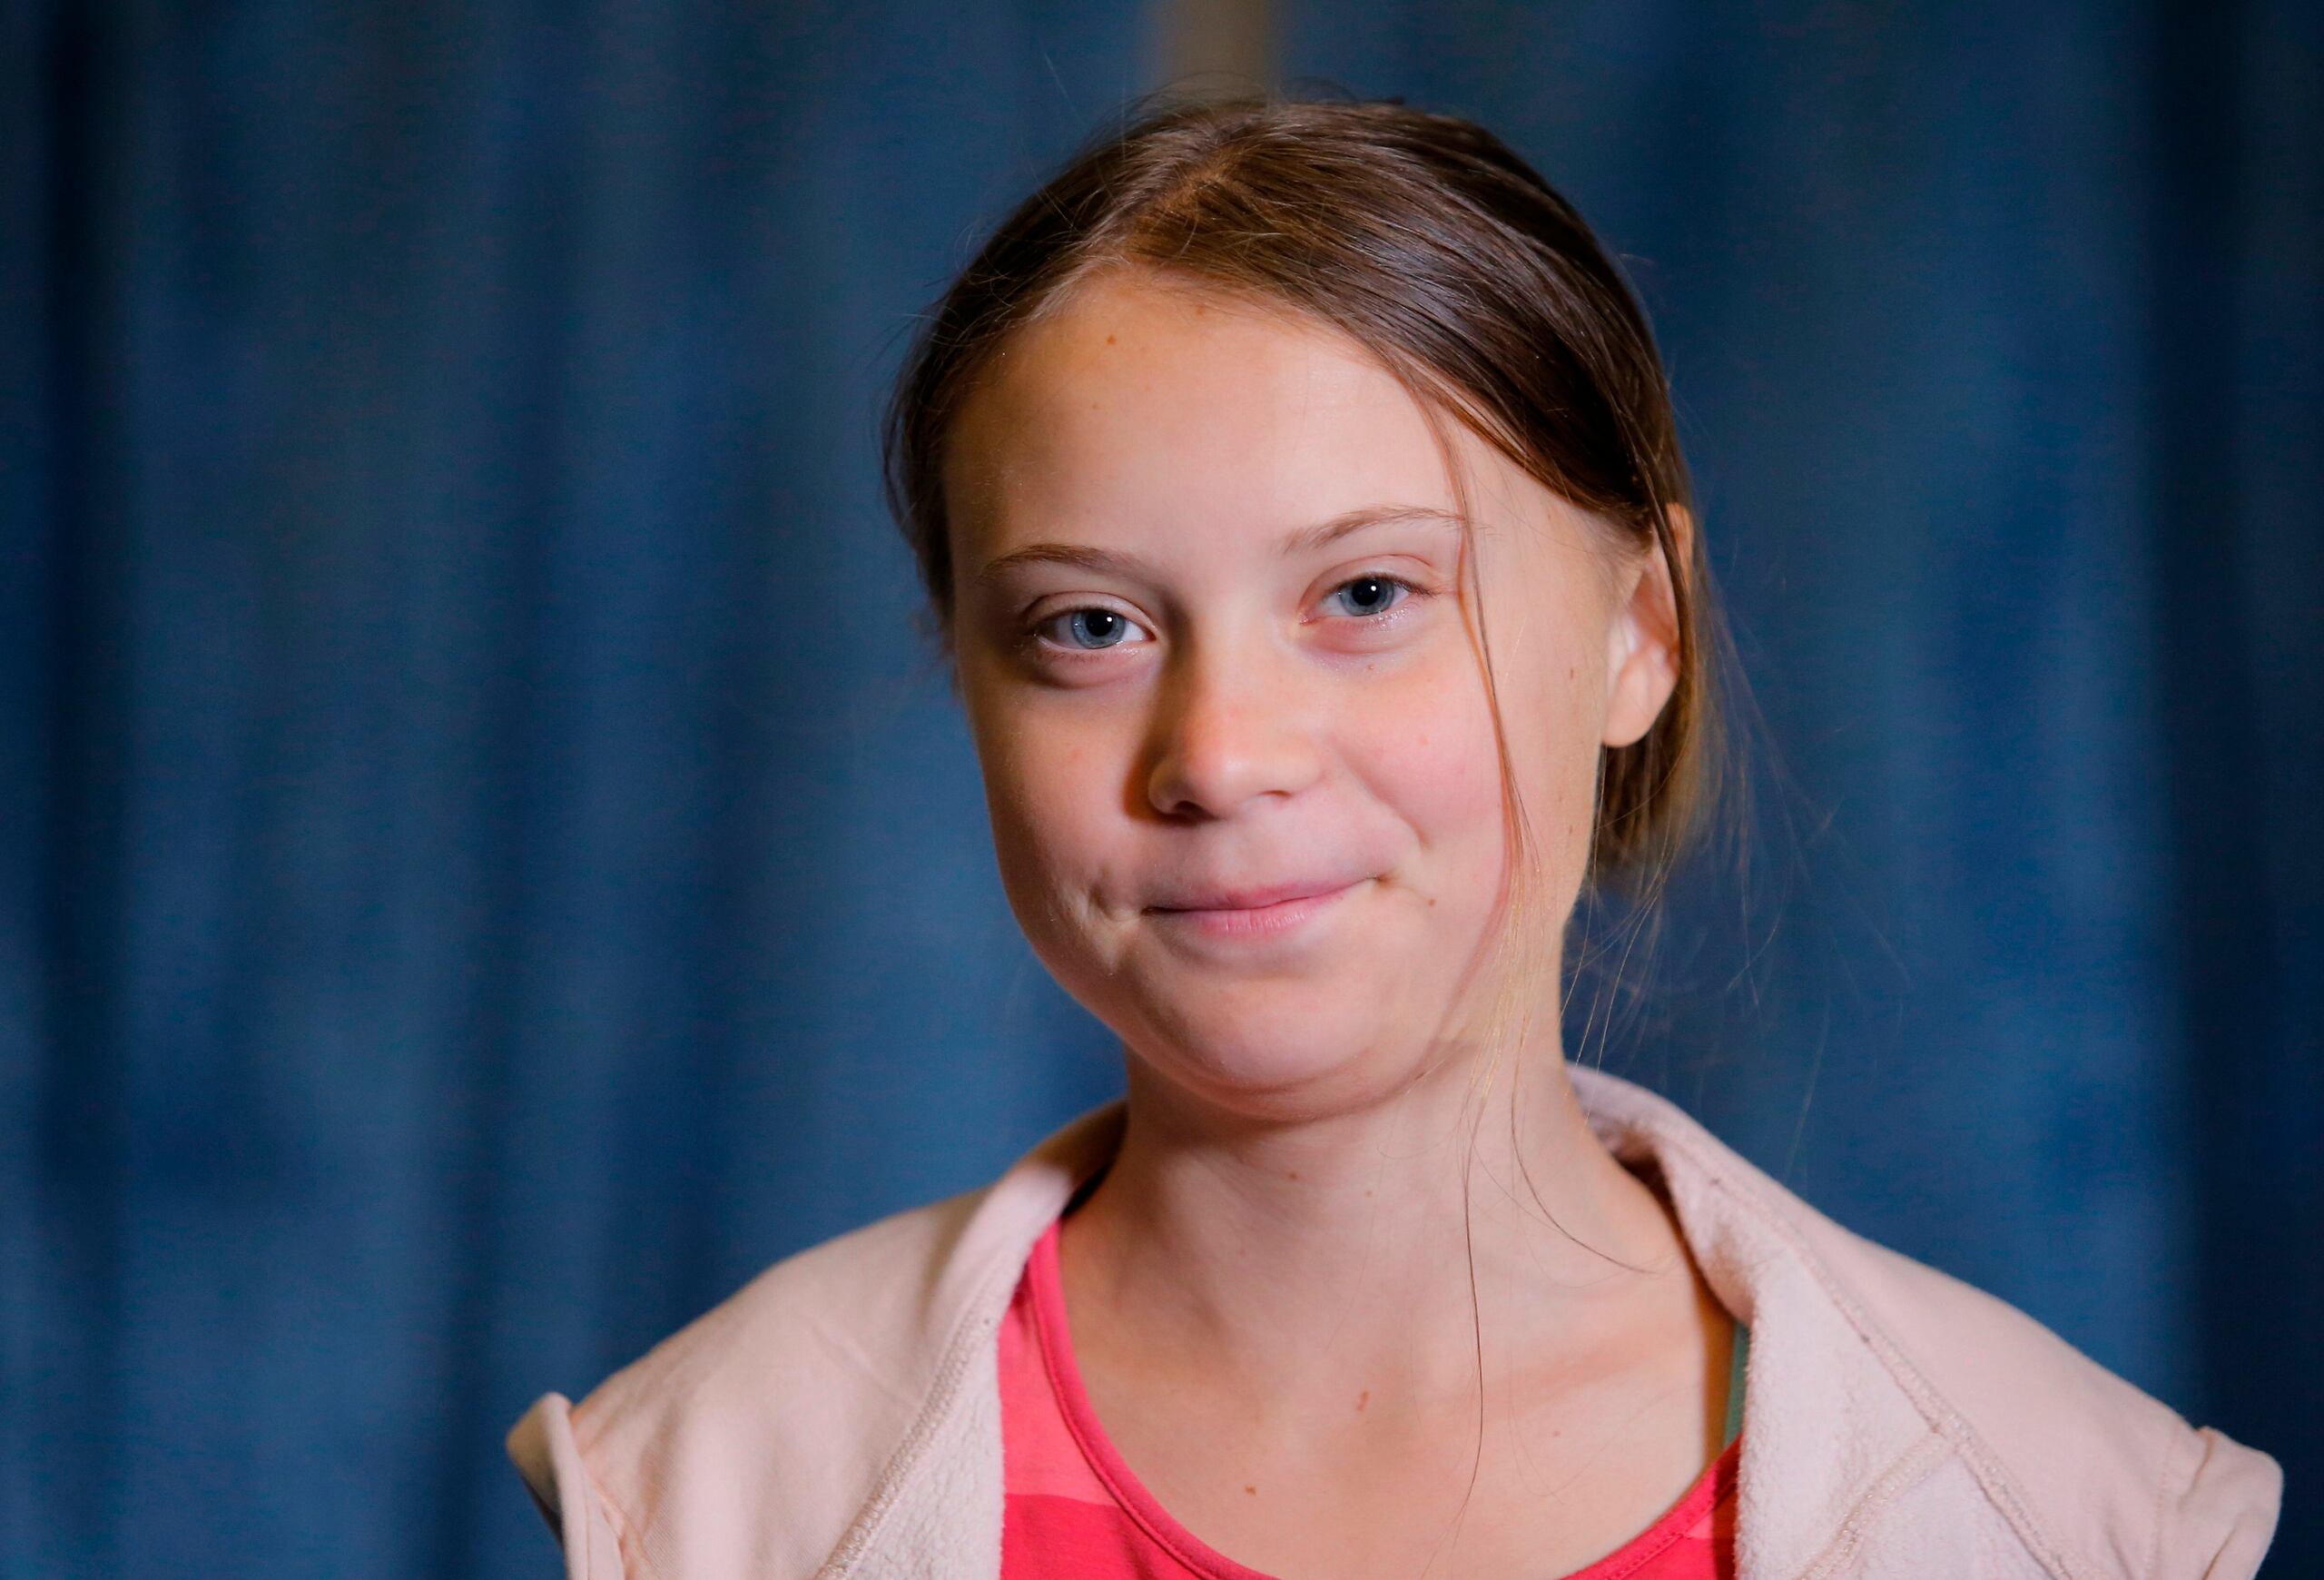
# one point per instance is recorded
(1109, 340)
(1252, 1490)
(1294, 1174)
(1363, 1399)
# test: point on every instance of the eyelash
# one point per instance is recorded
(1413, 593)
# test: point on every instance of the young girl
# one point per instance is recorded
(1295, 490)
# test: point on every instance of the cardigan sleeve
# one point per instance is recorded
(549, 1456)
(2218, 1510)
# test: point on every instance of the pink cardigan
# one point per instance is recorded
(840, 1416)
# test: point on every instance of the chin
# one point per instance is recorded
(1271, 1048)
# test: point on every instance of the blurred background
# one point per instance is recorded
(489, 862)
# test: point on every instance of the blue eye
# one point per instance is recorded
(1371, 595)
(1094, 628)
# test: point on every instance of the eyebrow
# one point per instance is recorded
(1304, 542)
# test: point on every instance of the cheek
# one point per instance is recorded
(1423, 744)
(1052, 797)
(1444, 779)
(1432, 755)
(1555, 762)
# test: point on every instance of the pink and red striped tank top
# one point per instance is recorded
(1074, 1511)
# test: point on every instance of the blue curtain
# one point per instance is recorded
(490, 863)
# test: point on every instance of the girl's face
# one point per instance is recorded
(1211, 635)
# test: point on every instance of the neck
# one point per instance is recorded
(1375, 1248)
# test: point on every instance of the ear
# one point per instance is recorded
(1642, 643)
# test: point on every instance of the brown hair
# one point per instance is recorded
(1424, 239)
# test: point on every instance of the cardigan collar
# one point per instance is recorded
(1828, 1428)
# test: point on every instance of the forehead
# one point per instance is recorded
(1142, 404)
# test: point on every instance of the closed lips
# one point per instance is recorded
(1256, 899)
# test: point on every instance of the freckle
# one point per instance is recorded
(1367, 1192)
(1363, 1399)
(1253, 1490)
(1294, 1174)
(1109, 340)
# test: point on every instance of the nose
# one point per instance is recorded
(1232, 729)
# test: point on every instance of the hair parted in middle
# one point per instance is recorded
(1425, 240)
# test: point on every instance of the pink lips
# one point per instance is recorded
(1253, 912)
